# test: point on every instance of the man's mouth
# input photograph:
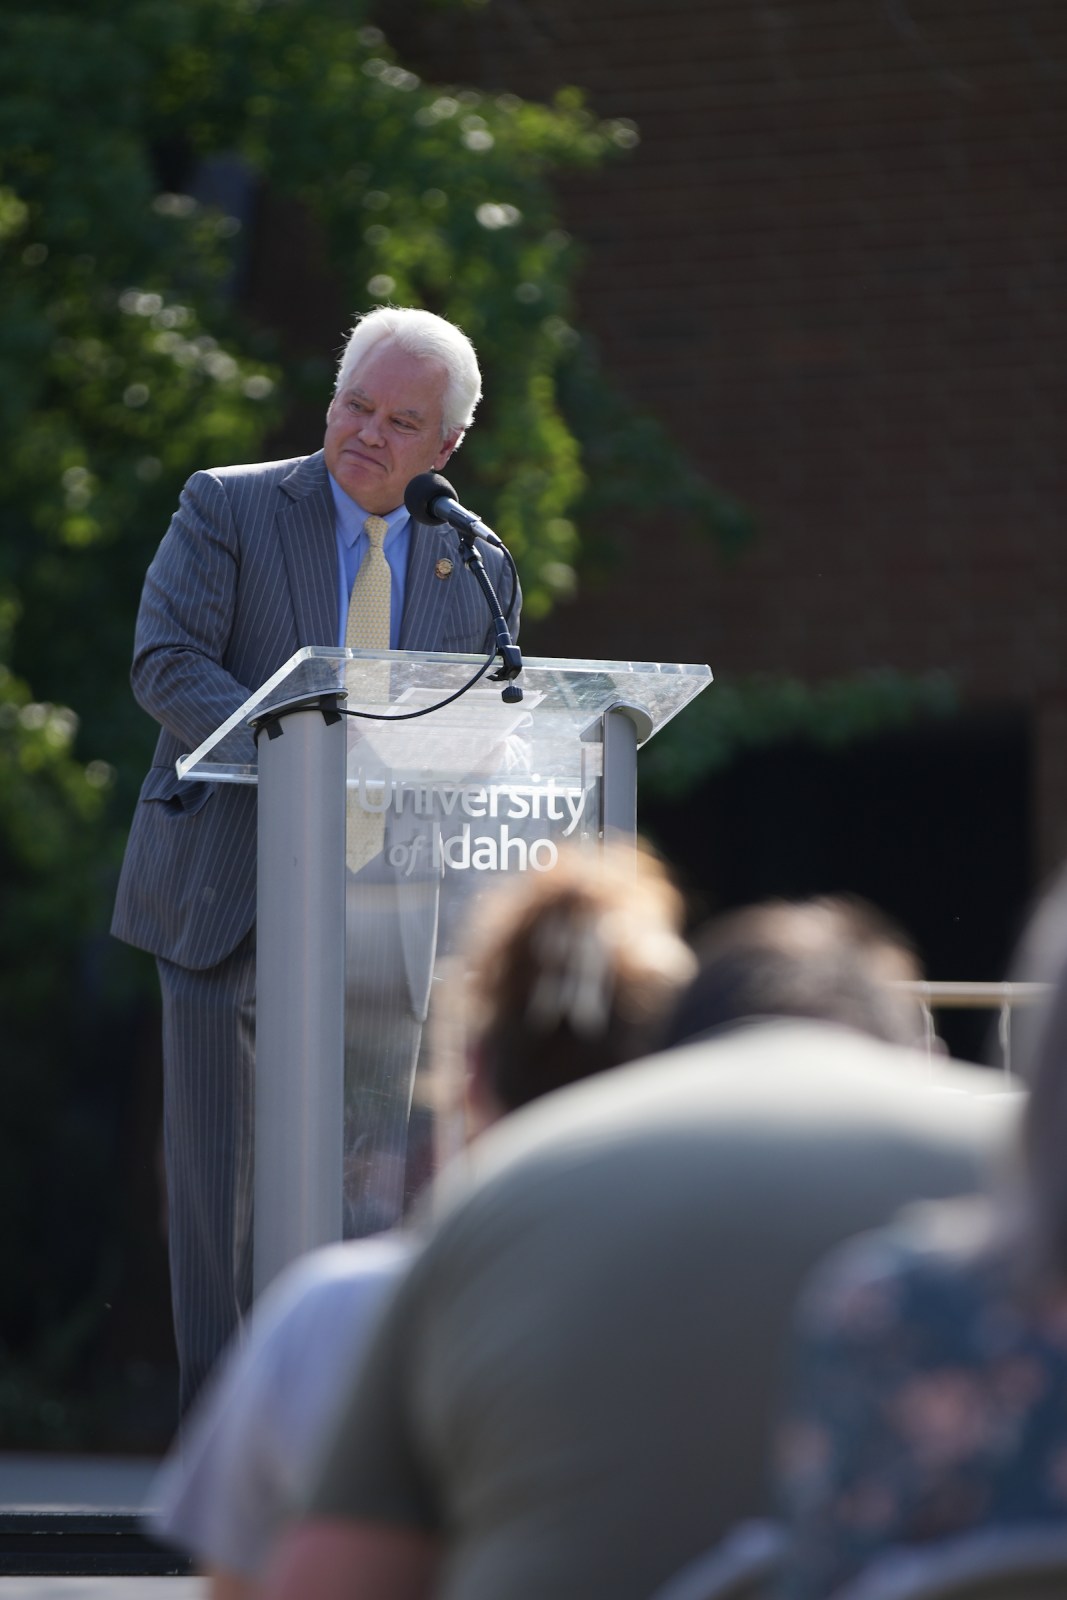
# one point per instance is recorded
(363, 459)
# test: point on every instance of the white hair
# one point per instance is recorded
(421, 333)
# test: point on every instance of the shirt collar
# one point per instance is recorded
(351, 516)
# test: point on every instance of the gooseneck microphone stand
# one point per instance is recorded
(431, 498)
(506, 648)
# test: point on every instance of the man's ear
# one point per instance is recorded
(450, 443)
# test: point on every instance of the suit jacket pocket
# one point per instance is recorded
(180, 796)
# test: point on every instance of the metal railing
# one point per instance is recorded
(999, 997)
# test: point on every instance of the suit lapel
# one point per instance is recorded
(427, 596)
(309, 547)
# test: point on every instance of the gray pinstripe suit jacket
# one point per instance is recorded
(245, 575)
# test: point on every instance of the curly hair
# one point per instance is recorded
(571, 971)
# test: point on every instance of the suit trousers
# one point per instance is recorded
(209, 1033)
(382, 1038)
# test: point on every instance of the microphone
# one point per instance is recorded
(431, 498)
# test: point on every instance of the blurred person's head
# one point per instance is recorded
(569, 972)
(832, 959)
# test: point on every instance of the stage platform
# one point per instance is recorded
(72, 1528)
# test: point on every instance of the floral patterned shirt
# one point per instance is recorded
(928, 1396)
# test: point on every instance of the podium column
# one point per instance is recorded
(624, 727)
(300, 982)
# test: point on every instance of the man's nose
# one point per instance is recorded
(370, 429)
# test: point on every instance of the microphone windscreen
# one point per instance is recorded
(422, 491)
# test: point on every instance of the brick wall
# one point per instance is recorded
(834, 267)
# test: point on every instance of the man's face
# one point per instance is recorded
(386, 425)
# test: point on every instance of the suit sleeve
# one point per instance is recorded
(186, 617)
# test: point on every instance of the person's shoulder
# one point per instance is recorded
(772, 1070)
(301, 474)
(937, 1259)
(822, 1073)
(337, 1273)
(776, 1090)
(269, 471)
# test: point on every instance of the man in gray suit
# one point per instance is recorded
(257, 562)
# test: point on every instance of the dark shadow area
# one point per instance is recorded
(931, 824)
(89, 1361)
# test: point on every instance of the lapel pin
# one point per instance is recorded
(443, 568)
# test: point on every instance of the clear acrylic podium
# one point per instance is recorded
(445, 803)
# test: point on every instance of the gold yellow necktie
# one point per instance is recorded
(367, 628)
(370, 604)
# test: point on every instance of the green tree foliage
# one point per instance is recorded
(51, 809)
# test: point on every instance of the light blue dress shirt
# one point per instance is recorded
(351, 546)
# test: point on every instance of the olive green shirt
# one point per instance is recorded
(574, 1384)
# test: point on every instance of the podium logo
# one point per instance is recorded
(466, 851)
(449, 842)
(535, 799)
